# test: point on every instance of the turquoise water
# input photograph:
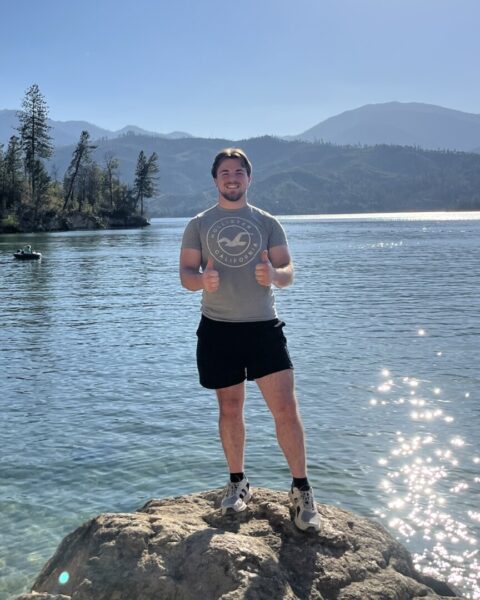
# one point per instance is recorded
(101, 409)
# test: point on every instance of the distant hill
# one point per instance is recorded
(397, 123)
(65, 133)
(295, 177)
(303, 178)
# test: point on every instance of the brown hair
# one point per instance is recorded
(231, 153)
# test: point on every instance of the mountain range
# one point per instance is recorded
(397, 123)
(65, 133)
(361, 167)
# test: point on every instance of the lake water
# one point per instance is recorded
(101, 409)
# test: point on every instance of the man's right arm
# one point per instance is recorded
(191, 277)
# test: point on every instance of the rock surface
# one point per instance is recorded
(184, 549)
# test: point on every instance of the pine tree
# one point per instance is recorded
(3, 184)
(145, 178)
(80, 159)
(111, 166)
(42, 183)
(93, 185)
(35, 139)
(13, 171)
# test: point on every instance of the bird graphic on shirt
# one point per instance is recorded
(235, 242)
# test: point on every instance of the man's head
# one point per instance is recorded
(231, 153)
(231, 172)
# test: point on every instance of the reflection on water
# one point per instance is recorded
(420, 473)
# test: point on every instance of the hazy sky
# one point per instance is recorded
(236, 69)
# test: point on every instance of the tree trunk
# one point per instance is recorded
(72, 182)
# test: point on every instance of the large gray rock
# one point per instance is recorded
(184, 549)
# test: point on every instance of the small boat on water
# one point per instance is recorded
(26, 253)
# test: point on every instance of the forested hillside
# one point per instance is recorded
(302, 177)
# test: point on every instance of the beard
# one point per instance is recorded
(232, 196)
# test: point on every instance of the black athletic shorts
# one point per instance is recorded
(229, 353)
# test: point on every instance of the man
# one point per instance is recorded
(235, 253)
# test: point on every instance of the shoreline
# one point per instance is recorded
(76, 222)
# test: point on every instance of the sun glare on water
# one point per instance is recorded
(406, 216)
(421, 477)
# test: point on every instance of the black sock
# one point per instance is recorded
(236, 477)
(301, 483)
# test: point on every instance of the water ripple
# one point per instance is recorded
(101, 407)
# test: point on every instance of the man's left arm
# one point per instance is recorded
(275, 268)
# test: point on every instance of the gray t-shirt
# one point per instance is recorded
(235, 239)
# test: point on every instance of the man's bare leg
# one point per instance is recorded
(232, 426)
(278, 389)
(232, 434)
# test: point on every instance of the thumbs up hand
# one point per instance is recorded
(210, 277)
(264, 271)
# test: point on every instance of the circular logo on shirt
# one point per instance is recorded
(233, 241)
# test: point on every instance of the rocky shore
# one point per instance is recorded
(184, 549)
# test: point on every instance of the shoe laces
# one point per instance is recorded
(307, 499)
(232, 488)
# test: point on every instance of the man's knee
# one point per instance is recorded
(231, 407)
(286, 409)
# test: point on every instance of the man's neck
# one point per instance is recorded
(229, 205)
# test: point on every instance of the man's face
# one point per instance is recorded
(232, 179)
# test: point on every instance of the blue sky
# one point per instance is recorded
(237, 69)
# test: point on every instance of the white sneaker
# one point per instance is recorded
(306, 514)
(236, 496)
